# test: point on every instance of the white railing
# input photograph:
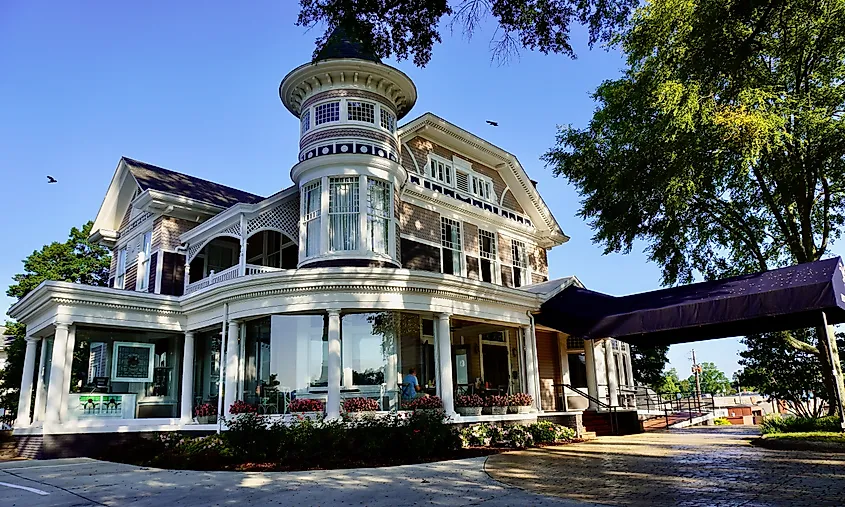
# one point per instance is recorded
(254, 269)
(227, 274)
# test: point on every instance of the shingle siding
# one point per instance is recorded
(419, 222)
(420, 256)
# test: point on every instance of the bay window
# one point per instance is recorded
(378, 215)
(343, 214)
(311, 196)
(450, 240)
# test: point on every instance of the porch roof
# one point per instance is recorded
(781, 299)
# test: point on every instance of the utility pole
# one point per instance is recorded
(696, 370)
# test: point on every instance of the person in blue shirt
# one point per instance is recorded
(412, 388)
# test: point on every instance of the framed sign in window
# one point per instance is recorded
(133, 362)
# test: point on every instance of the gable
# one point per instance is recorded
(431, 136)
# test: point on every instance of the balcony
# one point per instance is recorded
(228, 274)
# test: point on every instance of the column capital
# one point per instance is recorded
(189, 333)
(333, 311)
(32, 339)
(62, 325)
(443, 315)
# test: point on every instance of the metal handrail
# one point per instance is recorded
(614, 417)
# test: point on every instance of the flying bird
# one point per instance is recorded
(493, 123)
(51, 179)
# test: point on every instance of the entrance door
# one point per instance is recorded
(496, 366)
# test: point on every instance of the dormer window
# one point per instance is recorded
(328, 112)
(458, 174)
(441, 170)
(361, 111)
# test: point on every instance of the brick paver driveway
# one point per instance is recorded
(696, 467)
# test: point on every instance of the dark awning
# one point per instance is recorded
(781, 299)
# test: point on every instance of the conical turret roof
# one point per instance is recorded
(344, 42)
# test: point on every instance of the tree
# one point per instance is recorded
(410, 28)
(722, 144)
(669, 383)
(711, 379)
(784, 373)
(76, 260)
(648, 364)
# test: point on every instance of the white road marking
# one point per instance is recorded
(31, 490)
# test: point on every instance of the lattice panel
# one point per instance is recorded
(284, 218)
(233, 230)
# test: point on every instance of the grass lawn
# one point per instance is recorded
(811, 440)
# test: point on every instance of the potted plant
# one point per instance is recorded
(469, 405)
(424, 403)
(519, 403)
(307, 407)
(360, 407)
(206, 413)
(496, 405)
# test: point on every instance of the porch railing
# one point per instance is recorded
(610, 409)
(254, 269)
(227, 274)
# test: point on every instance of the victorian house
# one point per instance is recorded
(397, 246)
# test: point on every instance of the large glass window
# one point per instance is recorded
(378, 215)
(328, 112)
(487, 255)
(361, 111)
(303, 355)
(144, 261)
(367, 340)
(450, 237)
(486, 358)
(311, 217)
(125, 374)
(343, 214)
(257, 359)
(207, 348)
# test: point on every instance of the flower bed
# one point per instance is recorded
(496, 405)
(206, 413)
(519, 403)
(469, 405)
(433, 403)
(242, 407)
(360, 405)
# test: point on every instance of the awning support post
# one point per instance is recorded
(833, 354)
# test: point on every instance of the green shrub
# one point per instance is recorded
(791, 424)
(549, 432)
(477, 435)
(519, 436)
(721, 421)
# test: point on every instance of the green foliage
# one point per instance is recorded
(721, 421)
(780, 371)
(720, 147)
(669, 383)
(648, 364)
(542, 432)
(712, 380)
(791, 424)
(76, 260)
(411, 28)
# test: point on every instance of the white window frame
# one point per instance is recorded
(387, 120)
(305, 121)
(522, 264)
(143, 281)
(440, 170)
(120, 269)
(372, 216)
(452, 247)
(340, 114)
(379, 110)
(349, 102)
(352, 214)
(492, 257)
(312, 216)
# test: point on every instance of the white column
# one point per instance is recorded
(41, 388)
(230, 390)
(334, 366)
(57, 375)
(592, 384)
(187, 279)
(71, 344)
(187, 406)
(531, 374)
(612, 378)
(362, 214)
(24, 402)
(242, 257)
(443, 338)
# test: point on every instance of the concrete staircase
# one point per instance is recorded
(600, 423)
(8, 449)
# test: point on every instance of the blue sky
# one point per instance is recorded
(194, 87)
